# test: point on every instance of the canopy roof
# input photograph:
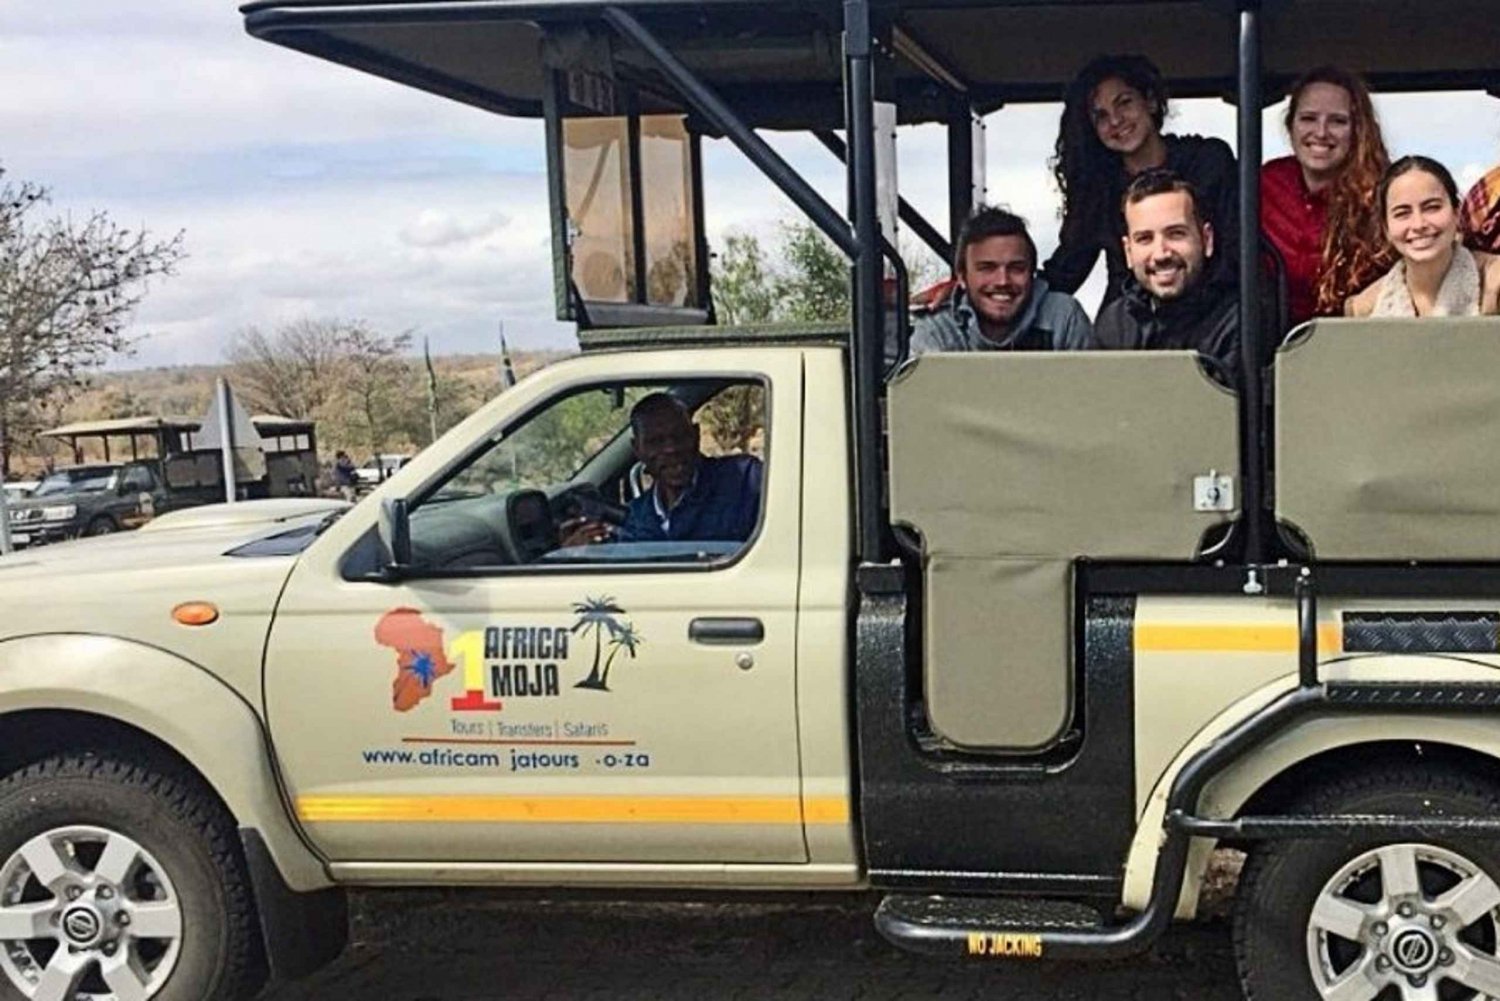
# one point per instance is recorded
(266, 424)
(778, 64)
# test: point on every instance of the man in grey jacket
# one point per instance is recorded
(1000, 303)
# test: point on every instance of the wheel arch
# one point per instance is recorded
(62, 692)
(1268, 778)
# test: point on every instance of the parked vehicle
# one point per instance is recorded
(96, 499)
(1016, 639)
(18, 489)
(378, 468)
(167, 471)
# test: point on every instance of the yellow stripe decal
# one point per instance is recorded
(572, 809)
(1218, 638)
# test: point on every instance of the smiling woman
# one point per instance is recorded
(1111, 131)
(1435, 275)
(1316, 205)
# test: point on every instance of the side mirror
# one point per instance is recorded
(395, 536)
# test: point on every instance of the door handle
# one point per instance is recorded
(726, 631)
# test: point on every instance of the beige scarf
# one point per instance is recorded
(1457, 296)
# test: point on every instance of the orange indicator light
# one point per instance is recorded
(195, 613)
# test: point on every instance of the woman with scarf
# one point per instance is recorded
(1435, 275)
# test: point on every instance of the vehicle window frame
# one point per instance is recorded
(497, 436)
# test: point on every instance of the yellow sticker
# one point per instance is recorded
(1004, 945)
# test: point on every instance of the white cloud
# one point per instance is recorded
(435, 228)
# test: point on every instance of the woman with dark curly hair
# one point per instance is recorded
(1111, 131)
(1317, 206)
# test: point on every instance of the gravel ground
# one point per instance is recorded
(435, 945)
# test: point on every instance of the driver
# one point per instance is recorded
(693, 497)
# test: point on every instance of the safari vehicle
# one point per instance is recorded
(94, 499)
(1017, 642)
(167, 470)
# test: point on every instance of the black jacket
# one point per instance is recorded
(1206, 320)
(1208, 164)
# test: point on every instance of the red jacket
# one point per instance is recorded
(1293, 220)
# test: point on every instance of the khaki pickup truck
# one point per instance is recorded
(1014, 639)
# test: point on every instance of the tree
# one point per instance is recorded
(374, 377)
(741, 285)
(625, 639)
(292, 372)
(596, 615)
(813, 284)
(67, 292)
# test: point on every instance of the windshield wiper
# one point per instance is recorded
(329, 519)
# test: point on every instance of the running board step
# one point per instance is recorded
(980, 927)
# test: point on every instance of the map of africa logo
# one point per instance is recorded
(420, 655)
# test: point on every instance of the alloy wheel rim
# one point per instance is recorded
(87, 914)
(1418, 918)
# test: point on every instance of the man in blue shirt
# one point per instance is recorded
(692, 497)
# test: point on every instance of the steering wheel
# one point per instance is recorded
(583, 500)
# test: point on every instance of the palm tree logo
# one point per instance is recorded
(625, 638)
(597, 615)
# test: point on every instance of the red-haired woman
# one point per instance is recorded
(1317, 206)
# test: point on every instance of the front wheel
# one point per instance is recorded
(102, 525)
(1361, 920)
(119, 883)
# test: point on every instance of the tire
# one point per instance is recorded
(102, 525)
(1389, 921)
(174, 849)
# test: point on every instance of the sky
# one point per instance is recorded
(306, 189)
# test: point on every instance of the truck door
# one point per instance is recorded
(510, 701)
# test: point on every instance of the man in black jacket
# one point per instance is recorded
(1176, 298)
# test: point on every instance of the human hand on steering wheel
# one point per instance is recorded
(583, 532)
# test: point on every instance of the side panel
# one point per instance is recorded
(175, 701)
(1013, 465)
(1385, 437)
(934, 819)
(1205, 663)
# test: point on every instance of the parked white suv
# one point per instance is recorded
(379, 468)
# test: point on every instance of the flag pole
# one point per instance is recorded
(431, 389)
(507, 371)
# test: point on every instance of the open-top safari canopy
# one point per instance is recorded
(779, 64)
(627, 89)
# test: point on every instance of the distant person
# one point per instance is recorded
(1436, 274)
(998, 303)
(1177, 296)
(1317, 206)
(1479, 216)
(1111, 131)
(692, 497)
(343, 475)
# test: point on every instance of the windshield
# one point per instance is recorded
(74, 481)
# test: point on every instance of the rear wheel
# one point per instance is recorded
(120, 883)
(1364, 920)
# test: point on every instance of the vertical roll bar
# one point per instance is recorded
(867, 345)
(1252, 410)
(966, 164)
